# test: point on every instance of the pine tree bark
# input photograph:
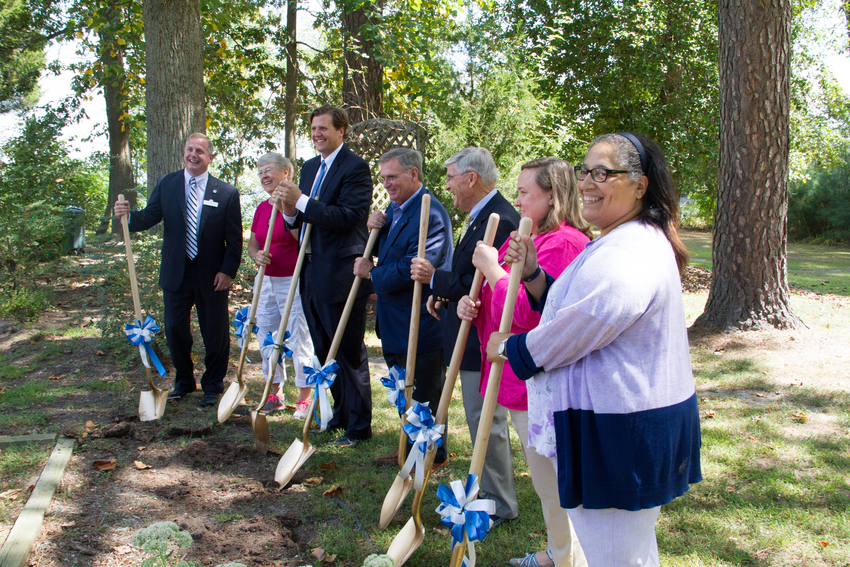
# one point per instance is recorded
(749, 288)
(174, 82)
(121, 175)
(291, 93)
(363, 75)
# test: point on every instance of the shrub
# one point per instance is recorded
(819, 205)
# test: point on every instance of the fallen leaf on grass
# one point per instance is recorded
(55, 377)
(799, 416)
(719, 351)
(333, 491)
(323, 555)
(142, 448)
(710, 414)
(327, 466)
(89, 424)
(11, 494)
(314, 480)
(758, 395)
(751, 438)
(105, 465)
(100, 353)
(756, 418)
(140, 465)
(442, 531)
(523, 474)
(823, 543)
(122, 549)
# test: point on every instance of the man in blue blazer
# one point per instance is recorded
(398, 244)
(471, 176)
(334, 195)
(201, 251)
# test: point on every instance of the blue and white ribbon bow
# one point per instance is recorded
(321, 378)
(460, 511)
(395, 387)
(142, 336)
(239, 323)
(269, 344)
(425, 436)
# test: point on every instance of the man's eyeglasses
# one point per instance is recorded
(392, 178)
(450, 177)
(598, 174)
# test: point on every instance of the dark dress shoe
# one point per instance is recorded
(175, 395)
(209, 399)
(344, 441)
(498, 520)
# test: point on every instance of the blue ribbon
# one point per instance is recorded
(460, 511)
(142, 336)
(267, 350)
(321, 378)
(425, 437)
(395, 388)
(239, 323)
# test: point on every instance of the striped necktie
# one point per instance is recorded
(192, 220)
(317, 185)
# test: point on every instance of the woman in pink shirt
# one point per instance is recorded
(548, 195)
(280, 264)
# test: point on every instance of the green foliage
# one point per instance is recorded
(25, 28)
(819, 205)
(39, 182)
(649, 67)
(163, 541)
(22, 303)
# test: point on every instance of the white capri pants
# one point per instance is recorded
(561, 538)
(269, 312)
(617, 538)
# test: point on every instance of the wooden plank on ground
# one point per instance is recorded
(16, 550)
(7, 441)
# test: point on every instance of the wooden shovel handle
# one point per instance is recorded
(134, 284)
(340, 329)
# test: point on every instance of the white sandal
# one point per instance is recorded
(530, 560)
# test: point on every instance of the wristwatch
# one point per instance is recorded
(503, 349)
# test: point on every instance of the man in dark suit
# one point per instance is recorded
(471, 177)
(398, 244)
(201, 251)
(334, 196)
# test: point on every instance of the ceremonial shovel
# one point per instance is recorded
(151, 402)
(401, 484)
(492, 392)
(300, 450)
(259, 423)
(413, 533)
(237, 390)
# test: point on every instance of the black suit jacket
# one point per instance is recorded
(219, 230)
(451, 286)
(339, 218)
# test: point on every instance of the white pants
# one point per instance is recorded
(561, 538)
(617, 538)
(269, 312)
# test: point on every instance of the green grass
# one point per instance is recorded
(19, 464)
(810, 266)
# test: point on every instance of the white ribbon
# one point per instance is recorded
(321, 381)
(425, 437)
(461, 511)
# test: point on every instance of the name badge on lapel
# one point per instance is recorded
(211, 203)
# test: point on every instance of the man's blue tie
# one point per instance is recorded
(317, 185)
(192, 221)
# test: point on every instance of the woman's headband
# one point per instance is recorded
(639, 147)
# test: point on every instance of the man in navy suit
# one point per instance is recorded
(471, 177)
(398, 244)
(334, 196)
(201, 251)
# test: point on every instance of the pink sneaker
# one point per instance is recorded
(301, 408)
(274, 403)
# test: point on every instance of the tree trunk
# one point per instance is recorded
(363, 76)
(174, 82)
(121, 176)
(749, 288)
(291, 94)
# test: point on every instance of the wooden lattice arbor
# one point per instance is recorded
(372, 138)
